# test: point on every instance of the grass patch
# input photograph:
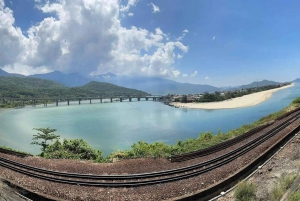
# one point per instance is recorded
(284, 183)
(245, 191)
(295, 196)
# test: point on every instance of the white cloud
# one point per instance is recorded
(207, 78)
(130, 14)
(194, 74)
(176, 73)
(184, 75)
(155, 8)
(179, 56)
(130, 3)
(86, 36)
(185, 31)
(214, 38)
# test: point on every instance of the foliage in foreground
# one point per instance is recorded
(245, 191)
(72, 149)
(46, 134)
(284, 183)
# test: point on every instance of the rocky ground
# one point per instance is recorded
(285, 162)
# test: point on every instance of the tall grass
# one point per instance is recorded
(245, 191)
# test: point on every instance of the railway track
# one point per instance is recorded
(15, 153)
(131, 180)
(226, 144)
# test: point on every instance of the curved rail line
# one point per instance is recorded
(226, 144)
(15, 153)
(186, 172)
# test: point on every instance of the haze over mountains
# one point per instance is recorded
(152, 85)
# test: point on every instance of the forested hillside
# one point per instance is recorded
(16, 87)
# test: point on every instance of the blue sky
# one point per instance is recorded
(220, 43)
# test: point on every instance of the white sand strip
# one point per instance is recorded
(244, 101)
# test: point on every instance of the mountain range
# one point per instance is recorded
(152, 85)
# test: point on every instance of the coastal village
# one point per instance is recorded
(220, 95)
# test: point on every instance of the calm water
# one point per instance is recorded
(113, 126)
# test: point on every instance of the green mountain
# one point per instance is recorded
(17, 87)
(111, 89)
(258, 84)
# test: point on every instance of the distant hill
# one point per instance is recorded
(158, 86)
(152, 85)
(6, 74)
(111, 89)
(70, 80)
(34, 87)
(258, 84)
(297, 80)
(28, 83)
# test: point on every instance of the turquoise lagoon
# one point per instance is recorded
(116, 126)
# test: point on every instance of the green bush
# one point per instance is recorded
(72, 149)
(284, 183)
(245, 192)
(295, 196)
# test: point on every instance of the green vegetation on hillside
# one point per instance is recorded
(157, 149)
(16, 87)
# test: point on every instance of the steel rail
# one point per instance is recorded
(7, 151)
(224, 145)
(137, 183)
(149, 182)
(217, 147)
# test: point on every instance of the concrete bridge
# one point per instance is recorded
(34, 101)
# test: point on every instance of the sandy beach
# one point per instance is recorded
(244, 101)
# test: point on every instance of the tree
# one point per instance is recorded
(183, 99)
(45, 135)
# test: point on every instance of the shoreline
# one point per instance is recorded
(239, 102)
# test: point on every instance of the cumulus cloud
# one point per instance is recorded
(184, 75)
(179, 56)
(130, 14)
(207, 78)
(176, 73)
(86, 36)
(185, 31)
(194, 74)
(155, 8)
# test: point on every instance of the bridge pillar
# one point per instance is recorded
(139, 99)
(90, 101)
(129, 99)
(56, 102)
(146, 98)
(121, 99)
(79, 101)
(111, 100)
(23, 104)
(154, 99)
(100, 100)
(68, 102)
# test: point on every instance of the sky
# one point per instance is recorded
(219, 43)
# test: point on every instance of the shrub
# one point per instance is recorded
(284, 183)
(245, 192)
(295, 196)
